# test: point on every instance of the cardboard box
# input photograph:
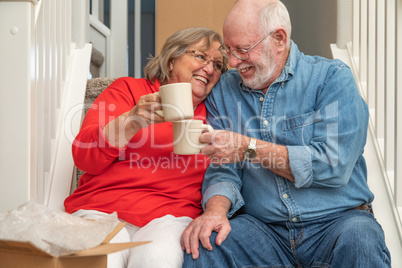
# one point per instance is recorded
(26, 255)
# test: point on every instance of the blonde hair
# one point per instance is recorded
(175, 46)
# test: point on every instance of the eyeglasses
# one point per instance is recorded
(240, 53)
(205, 59)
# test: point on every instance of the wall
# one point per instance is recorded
(313, 25)
(313, 21)
(174, 15)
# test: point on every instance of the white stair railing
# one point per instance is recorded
(373, 50)
(43, 70)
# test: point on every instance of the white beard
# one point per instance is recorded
(263, 71)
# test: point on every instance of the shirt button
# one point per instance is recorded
(285, 196)
(261, 99)
(294, 219)
(283, 83)
(265, 122)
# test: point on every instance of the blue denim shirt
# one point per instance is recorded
(315, 110)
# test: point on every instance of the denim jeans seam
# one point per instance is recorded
(320, 265)
(271, 266)
(301, 234)
(295, 243)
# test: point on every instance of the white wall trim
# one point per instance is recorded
(100, 37)
(15, 107)
(118, 42)
(137, 39)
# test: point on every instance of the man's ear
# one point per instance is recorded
(280, 37)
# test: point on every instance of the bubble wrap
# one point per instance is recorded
(55, 232)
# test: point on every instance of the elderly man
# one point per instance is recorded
(287, 156)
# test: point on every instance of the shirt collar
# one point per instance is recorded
(290, 66)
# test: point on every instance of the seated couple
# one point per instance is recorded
(290, 131)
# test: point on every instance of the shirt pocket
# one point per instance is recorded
(299, 130)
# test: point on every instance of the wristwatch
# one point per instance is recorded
(251, 152)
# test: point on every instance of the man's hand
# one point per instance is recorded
(228, 147)
(225, 146)
(200, 229)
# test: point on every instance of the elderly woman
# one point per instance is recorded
(126, 151)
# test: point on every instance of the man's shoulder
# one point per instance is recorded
(320, 62)
(231, 76)
(302, 63)
(229, 80)
(322, 67)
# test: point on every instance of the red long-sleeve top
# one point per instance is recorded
(143, 181)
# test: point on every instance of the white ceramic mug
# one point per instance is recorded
(186, 136)
(177, 101)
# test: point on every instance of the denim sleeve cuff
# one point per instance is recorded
(301, 165)
(228, 190)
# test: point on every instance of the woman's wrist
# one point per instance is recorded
(121, 130)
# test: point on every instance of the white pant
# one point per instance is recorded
(164, 250)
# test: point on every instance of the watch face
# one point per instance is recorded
(250, 154)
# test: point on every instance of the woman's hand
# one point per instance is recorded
(143, 113)
(121, 130)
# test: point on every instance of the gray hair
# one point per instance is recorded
(175, 46)
(275, 15)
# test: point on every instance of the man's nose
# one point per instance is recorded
(233, 60)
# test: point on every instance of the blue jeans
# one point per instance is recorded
(349, 239)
